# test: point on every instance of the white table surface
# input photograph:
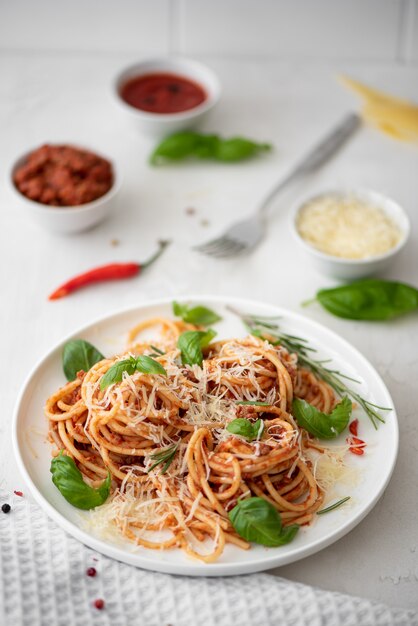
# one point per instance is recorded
(66, 97)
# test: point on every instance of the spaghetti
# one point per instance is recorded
(183, 417)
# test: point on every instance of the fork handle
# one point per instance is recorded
(322, 152)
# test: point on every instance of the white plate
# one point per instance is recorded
(109, 335)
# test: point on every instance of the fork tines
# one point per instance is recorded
(221, 247)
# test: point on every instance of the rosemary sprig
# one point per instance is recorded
(157, 352)
(333, 506)
(264, 328)
(165, 456)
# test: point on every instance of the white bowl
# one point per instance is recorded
(65, 220)
(166, 123)
(350, 269)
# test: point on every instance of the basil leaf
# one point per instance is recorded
(320, 424)
(208, 335)
(253, 403)
(191, 144)
(206, 147)
(179, 310)
(245, 428)
(148, 365)
(198, 315)
(175, 147)
(238, 149)
(257, 520)
(69, 481)
(287, 534)
(144, 364)
(79, 355)
(190, 344)
(115, 373)
(370, 300)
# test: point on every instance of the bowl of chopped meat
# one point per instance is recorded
(64, 188)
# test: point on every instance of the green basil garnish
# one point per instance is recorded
(144, 364)
(369, 300)
(188, 144)
(267, 329)
(69, 481)
(238, 149)
(190, 344)
(322, 425)
(257, 520)
(245, 428)
(79, 355)
(198, 315)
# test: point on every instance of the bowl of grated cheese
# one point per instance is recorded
(350, 234)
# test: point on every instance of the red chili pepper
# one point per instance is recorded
(353, 428)
(356, 445)
(112, 271)
(18, 493)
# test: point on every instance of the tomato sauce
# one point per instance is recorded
(162, 93)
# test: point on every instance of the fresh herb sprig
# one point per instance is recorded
(164, 456)
(157, 351)
(191, 343)
(257, 520)
(245, 428)
(142, 363)
(369, 300)
(198, 315)
(333, 506)
(322, 425)
(267, 328)
(68, 479)
(190, 144)
(78, 355)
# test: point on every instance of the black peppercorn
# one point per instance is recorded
(6, 508)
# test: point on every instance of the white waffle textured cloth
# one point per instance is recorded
(43, 582)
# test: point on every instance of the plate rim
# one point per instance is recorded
(197, 568)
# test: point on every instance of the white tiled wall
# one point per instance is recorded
(375, 30)
(411, 36)
(86, 25)
(301, 28)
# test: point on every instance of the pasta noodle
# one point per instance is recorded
(123, 427)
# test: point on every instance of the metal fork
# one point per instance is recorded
(244, 235)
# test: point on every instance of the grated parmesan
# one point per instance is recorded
(347, 227)
(207, 400)
(330, 468)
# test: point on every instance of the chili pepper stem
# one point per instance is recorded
(154, 257)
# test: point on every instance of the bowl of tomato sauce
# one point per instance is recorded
(64, 188)
(166, 95)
